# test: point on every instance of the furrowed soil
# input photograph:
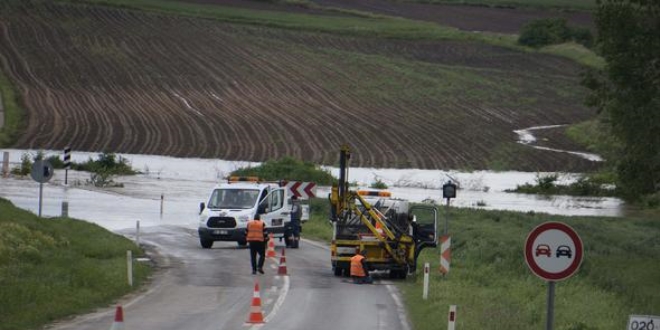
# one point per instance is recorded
(115, 80)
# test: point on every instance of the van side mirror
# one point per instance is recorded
(261, 209)
(201, 207)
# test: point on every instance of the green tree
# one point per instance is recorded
(627, 90)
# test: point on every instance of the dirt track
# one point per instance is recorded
(111, 80)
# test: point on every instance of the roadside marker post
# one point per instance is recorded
(65, 209)
(425, 295)
(452, 318)
(5, 164)
(67, 164)
(129, 266)
(137, 233)
(445, 254)
(162, 201)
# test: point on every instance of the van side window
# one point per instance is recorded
(278, 200)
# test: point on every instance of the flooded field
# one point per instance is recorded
(184, 182)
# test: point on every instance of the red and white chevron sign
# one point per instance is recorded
(445, 254)
(302, 189)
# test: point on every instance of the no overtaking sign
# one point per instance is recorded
(553, 251)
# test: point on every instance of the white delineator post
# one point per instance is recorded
(452, 318)
(137, 233)
(425, 295)
(129, 267)
(5, 164)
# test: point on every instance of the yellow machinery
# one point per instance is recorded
(390, 230)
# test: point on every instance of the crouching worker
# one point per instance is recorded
(359, 269)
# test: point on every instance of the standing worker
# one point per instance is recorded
(296, 222)
(359, 269)
(256, 237)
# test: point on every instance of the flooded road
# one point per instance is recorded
(170, 189)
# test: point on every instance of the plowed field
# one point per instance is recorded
(103, 79)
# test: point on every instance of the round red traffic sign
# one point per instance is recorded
(553, 251)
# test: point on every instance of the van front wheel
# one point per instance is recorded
(206, 243)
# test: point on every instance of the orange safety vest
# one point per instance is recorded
(356, 266)
(255, 231)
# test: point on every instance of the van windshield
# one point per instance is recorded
(233, 198)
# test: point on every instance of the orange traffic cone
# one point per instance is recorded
(270, 253)
(256, 316)
(118, 324)
(282, 269)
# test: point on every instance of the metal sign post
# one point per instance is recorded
(41, 172)
(448, 192)
(553, 252)
(551, 305)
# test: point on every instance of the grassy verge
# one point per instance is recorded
(53, 268)
(351, 23)
(494, 289)
(12, 112)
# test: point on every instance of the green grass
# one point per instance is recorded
(494, 289)
(556, 4)
(577, 53)
(13, 114)
(57, 267)
(351, 23)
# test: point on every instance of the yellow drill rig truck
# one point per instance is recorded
(392, 232)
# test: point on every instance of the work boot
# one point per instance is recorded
(254, 272)
(261, 271)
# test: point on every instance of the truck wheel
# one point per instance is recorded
(337, 271)
(242, 243)
(398, 274)
(288, 242)
(206, 243)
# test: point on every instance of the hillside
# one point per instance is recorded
(118, 80)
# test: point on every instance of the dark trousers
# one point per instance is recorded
(260, 248)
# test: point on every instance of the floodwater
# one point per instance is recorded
(170, 189)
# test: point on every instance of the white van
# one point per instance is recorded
(231, 205)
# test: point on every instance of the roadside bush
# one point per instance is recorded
(107, 163)
(378, 184)
(551, 31)
(288, 168)
(26, 166)
(56, 161)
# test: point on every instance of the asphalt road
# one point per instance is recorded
(203, 289)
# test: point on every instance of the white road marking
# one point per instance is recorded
(400, 309)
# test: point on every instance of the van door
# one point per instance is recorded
(273, 211)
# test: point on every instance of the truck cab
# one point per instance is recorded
(231, 205)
